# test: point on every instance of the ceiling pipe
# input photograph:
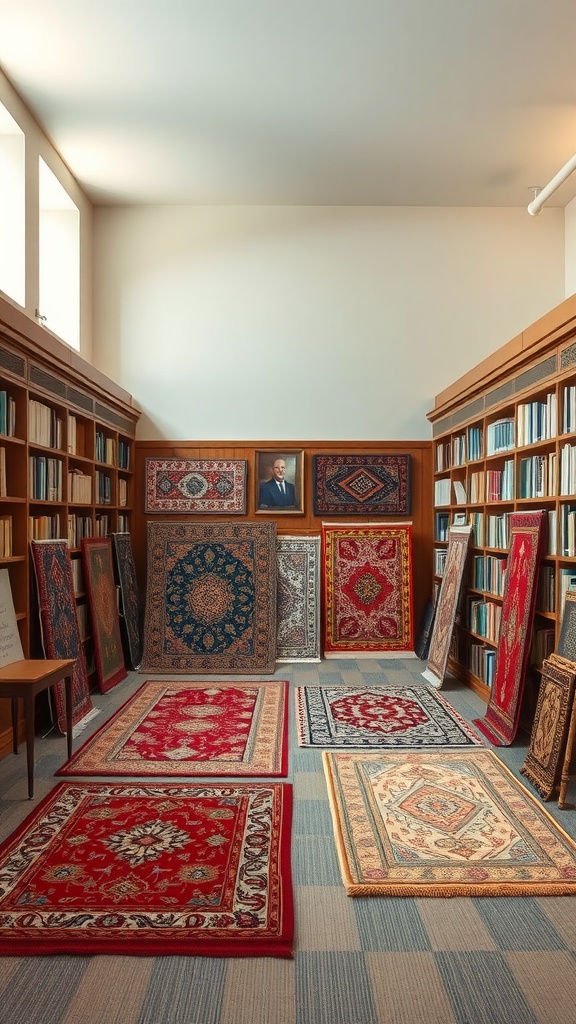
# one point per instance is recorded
(538, 202)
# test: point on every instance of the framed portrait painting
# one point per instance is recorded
(279, 478)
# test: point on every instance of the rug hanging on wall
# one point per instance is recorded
(103, 604)
(361, 485)
(443, 824)
(211, 598)
(129, 598)
(150, 869)
(59, 626)
(204, 486)
(298, 606)
(447, 606)
(500, 723)
(387, 717)
(543, 763)
(192, 728)
(367, 595)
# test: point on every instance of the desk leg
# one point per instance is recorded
(15, 724)
(29, 707)
(68, 685)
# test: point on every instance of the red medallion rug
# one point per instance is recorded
(103, 604)
(458, 540)
(367, 590)
(59, 625)
(151, 869)
(520, 588)
(192, 728)
(443, 824)
(387, 717)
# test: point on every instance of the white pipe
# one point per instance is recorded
(538, 202)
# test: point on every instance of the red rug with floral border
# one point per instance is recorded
(192, 728)
(367, 589)
(500, 723)
(151, 869)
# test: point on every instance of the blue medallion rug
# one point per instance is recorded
(210, 598)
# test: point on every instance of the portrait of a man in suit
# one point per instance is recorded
(277, 488)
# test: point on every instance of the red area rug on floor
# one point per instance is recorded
(192, 728)
(151, 869)
(367, 589)
(520, 588)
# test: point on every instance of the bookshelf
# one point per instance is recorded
(66, 464)
(504, 439)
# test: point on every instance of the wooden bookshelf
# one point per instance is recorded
(504, 439)
(64, 428)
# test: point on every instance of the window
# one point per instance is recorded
(12, 209)
(59, 259)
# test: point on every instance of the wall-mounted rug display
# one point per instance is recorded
(150, 869)
(298, 608)
(192, 728)
(129, 598)
(443, 824)
(103, 603)
(543, 763)
(446, 608)
(566, 645)
(500, 723)
(204, 486)
(367, 590)
(387, 717)
(361, 485)
(211, 598)
(59, 626)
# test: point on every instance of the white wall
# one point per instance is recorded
(322, 323)
(570, 247)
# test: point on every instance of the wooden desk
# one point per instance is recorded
(25, 679)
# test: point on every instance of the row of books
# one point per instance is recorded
(104, 449)
(103, 482)
(538, 476)
(6, 536)
(481, 662)
(45, 478)
(489, 573)
(44, 527)
(500, 436)
(7, 414)
(484, 618)
(537, 421)
(45, 427)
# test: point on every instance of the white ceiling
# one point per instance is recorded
(386, 102)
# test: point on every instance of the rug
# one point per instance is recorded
(566, 646)
(361, 485)
(59, 625)
(192, 728)
(543, 763)
(103, 605)
(205, 486)
(500, 723)
(150, 869)
(298, 604)
(367, 590)
(443, 824)
(211, 598)
(387, 717)
(129, 598)
(447, 606)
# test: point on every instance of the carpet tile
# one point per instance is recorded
(356, 961)
(482, 989)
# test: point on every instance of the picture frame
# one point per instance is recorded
(275, 465)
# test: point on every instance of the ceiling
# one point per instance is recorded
(355, 102)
